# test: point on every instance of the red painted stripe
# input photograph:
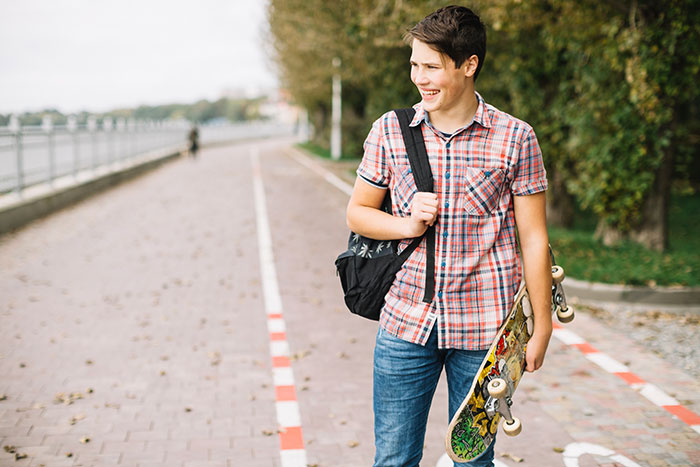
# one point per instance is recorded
(278, 362)
(586, 348)
(274, 316)
(691, 418)
(556, 325)
(291, 438)
(630, 378)
(285, 393)
(278, 336)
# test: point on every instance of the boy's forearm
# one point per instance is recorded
(538, 278)
(375, 223)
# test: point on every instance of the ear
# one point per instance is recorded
(470, 66)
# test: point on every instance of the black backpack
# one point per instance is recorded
(368, 267)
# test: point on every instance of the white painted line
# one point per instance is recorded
(607, 363)
(567, 337)
(273, 302)
(283, 376)
(276, 325)
(294, 458)
(279, 348)
(292, 453)
(288, 413)
(696, 428)
(325, 174)
(575, 450)
(657, 396)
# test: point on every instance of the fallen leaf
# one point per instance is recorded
(10, 449)
(353, 444)
(19, 456)
(512, 457)
(76, 418)
(3, 397)
(267, 433)
(558, 450)
(84, 440)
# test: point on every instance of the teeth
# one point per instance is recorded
(430, 93)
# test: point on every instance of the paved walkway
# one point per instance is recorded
(137, 328)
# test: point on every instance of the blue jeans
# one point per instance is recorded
(405, 378)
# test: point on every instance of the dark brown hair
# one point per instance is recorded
(455, 31)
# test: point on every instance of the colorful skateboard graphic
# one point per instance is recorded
(473, 428)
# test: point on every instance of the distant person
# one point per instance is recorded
(193, 138)
(489, 179)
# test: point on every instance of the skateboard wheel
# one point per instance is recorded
(497, 388)
(565, 316)
(514, 428)
(557, 274)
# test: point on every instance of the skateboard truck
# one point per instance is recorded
(564, 313)
(500, 402)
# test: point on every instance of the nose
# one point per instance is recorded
(419, 76)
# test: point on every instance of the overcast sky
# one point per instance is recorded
(97, 55)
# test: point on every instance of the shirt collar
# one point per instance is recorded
(481, 116)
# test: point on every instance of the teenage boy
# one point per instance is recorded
(489, 179)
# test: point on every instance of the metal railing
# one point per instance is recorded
(31, 155)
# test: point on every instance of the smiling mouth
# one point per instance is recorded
(428, 93)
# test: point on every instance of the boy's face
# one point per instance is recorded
(441, 85)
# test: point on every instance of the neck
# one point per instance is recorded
(451, 119)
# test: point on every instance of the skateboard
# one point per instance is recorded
(473, 427)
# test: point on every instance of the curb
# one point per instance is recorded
(681, 297)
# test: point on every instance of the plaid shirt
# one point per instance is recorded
(477, 170)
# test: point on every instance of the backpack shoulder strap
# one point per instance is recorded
(415, 148)
(420, 167)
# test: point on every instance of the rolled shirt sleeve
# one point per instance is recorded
(374, 168)
(531, 176)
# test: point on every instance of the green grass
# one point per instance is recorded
(628, 263)
(322, 152)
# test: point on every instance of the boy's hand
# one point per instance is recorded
(536, 348)
(424, 211)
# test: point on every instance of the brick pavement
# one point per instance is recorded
(143, 307)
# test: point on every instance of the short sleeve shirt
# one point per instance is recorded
(477, 171)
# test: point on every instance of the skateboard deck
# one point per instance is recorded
(474, 425)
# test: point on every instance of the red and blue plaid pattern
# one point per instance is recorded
(477, 171)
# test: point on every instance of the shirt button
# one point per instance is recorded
(444, 264)
(444, 235)
(440, 294)
(447, 175)
(447, 204)
(447, 145)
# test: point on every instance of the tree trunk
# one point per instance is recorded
(560, 206)
(652, 231)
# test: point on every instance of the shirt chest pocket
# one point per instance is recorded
(482, 190)
(403, 190)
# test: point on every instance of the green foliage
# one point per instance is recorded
(629, 263)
